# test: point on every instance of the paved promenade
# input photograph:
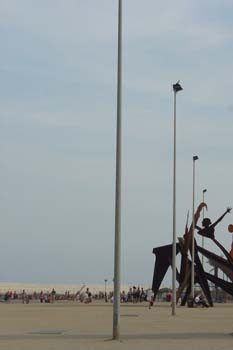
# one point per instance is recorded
(71, 325)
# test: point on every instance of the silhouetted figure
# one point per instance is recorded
(208, 229)
(199, 300)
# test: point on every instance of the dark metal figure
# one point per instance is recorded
(208, 229)
(183, 246)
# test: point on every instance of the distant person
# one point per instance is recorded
(130, 295)
(47, 297)
(142, 295)
(169, 297)
(150, 298)
(6, 296)
(123, 297)
(41, 296)
(87, 296)
(151, 302)
(53, 295)
(199, 300)
(24, 296)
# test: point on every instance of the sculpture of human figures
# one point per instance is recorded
(208, 228)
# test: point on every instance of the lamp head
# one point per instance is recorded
(205, 190)
(177, 87)
(195, 158)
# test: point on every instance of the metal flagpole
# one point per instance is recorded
(117, 248)
(193, 229)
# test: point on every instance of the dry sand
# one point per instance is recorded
(71, 325)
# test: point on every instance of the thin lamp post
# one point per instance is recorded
(176, 88)
(117, 246)
(203, 214)
(105, 290)
(193, 228)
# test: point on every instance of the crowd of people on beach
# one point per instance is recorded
(133, 295)
(25, 297)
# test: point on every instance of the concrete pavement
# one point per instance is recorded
(72, 325)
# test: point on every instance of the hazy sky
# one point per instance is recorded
(58, 131)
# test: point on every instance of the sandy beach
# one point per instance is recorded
(72, 325)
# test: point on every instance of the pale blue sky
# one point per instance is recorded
(57, 131)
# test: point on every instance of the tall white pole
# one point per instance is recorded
(176, 88)
(193, 229)
(117, 247)
(203, 214)
(105, 290)
(174, 217)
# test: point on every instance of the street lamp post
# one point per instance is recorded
(117, 245)
(193, 228)
(203, 214)
(176, 88)
(105, 290)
